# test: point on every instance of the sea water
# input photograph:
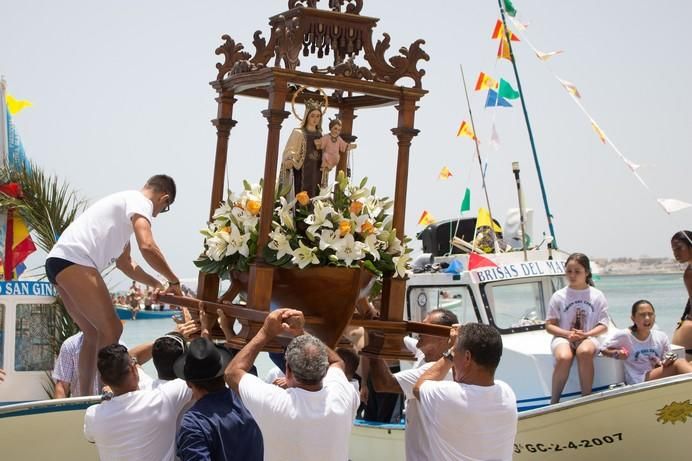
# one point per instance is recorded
(665, 292)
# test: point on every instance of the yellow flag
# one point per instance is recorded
(445, 173)
(426, 218)
(485, 82)
(570, 87)
(484, 220)
(466, 130)
(16, 105)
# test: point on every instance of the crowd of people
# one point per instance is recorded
(208, 403)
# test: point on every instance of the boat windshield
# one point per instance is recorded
(517, 306)
(423, 299)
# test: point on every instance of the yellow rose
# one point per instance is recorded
(303, 198)
(356, 207)
(253, 206)
(344, 227)
(367, 228)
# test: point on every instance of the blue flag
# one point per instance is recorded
(494, 100)
(16, 157)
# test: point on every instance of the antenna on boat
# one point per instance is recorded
(528, 124)
(480, 162)
(515, 170)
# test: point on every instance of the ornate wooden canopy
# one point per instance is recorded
(358, 75)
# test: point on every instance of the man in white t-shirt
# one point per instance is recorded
(475, 416)
(134, 424)
(311, 419)
(428, 350)
(97, 238)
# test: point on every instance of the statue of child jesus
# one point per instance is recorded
(332, 146)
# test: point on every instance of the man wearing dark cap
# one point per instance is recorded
(134, 424)
(218, 426)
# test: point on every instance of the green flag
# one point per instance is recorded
(506, 91)
(509, 8)
(466, 203)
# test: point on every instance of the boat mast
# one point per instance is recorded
(528, 125)
(475, 139)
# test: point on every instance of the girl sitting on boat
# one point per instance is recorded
(681, 243)
(578, 314)
(646, 352)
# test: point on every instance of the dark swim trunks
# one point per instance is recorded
(54, 266)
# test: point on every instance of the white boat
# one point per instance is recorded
(642, 421)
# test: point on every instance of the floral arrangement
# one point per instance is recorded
(345, 226)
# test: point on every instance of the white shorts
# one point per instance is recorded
(557, 340)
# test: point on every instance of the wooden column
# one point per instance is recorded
(393, 290)
(346, 115)
(261, 274)
(208, 284)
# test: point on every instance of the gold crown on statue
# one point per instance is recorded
(310, 104)
(313, 104)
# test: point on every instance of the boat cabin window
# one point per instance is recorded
(516, 305)
(457, 299)
(33, 350)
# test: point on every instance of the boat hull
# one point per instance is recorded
(646, 421)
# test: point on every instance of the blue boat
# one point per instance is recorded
(125, 313)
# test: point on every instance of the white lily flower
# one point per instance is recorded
(358, 193)
(237, 242)
(280, 243)
(371, 243)
(217, 245)
(401, 264)
(286, 213)
(348, 250)
(223, 213)
(303, 256)
(372, 206)
(245, 219)
(328, 238)
(324, 194)
(387, 223)
(319, 219)
(394, 246)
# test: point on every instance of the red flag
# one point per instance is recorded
(477, 261)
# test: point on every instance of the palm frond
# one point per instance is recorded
(48, 206)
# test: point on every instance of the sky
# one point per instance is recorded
(120, 92)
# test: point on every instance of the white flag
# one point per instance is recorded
(545, 56)
(495, 139)
(570, 87)
(672, 205)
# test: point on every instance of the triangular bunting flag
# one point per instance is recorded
(477, 261)
(14, 106)
(545, 56)
(466, 203)
(495, 139)
(509, 8)
(426, 218)
(493, 100)
(485, 82)
(672, 205)
(570, 87)
(499, 31)
(444, 173)
(599, 131)
(503, 50)
(466, 130)
(506, 90)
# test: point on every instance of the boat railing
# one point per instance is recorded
(44, 406)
